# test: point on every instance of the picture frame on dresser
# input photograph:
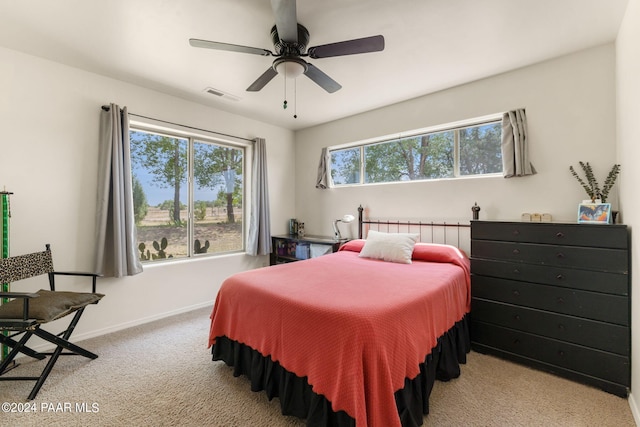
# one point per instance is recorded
(594, 213)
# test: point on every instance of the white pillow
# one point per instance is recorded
(393, 247)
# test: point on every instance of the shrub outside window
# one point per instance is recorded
(463, 151)
(188, 195)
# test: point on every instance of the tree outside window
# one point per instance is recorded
(345, 166)
(480, 151)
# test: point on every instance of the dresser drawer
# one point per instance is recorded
(605, 236)
(597, 281)
(596, 363)
(613, 260)
(589, 333)
(589, 305)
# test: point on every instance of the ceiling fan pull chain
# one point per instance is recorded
(285, 90)
(295, 99)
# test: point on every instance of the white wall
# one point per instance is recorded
(570, 105)
(628, 112)
(49, 120)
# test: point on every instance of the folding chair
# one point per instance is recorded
(24, 314)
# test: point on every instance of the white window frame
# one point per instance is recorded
(176, 131)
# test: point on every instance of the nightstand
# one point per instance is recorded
(290, 248)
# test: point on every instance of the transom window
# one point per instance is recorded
(188, 195)
(452, 153)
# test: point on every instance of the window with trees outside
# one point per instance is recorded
(452, 153)
(187, 195)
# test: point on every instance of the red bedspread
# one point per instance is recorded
(355, 327)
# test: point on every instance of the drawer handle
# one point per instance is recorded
(516, 293)
(560, 255)
(517, 317)
(560, 277)
(561, 326)
(516, 251)
(516, 341)
(560, 300)
(560, 235)
(516, 232)
(560, 353)
(516, 271)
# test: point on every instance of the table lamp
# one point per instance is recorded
(336, 231)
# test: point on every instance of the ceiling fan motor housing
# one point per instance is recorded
(284, 48)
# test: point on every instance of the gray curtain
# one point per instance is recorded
(515, 151)
(322, 182)
(116, 231)
(259, 240)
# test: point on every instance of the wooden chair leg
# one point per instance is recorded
(10, 342)
(64, 344)
(45, 373)
(14, 352)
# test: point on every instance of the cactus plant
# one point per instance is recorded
(199, 249)
(143, 256)
(146, 255)
(160, 248)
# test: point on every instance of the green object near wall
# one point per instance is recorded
(6, 214)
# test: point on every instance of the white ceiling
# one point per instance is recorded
(430, 45)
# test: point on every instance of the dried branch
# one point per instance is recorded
(591, 186)
(609, 182)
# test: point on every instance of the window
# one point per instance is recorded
(188, 195)
(461, 151)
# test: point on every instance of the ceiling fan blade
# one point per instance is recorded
(286, 19)
(323, 80)
(348, 47)
(262, 80)
(230, 47)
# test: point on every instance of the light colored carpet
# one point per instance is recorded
(161, 374)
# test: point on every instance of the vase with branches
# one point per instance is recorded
(590, 184)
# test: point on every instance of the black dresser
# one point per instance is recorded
(555, 297)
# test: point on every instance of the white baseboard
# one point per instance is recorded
(46, 346)
(141, 321)
(634, 409)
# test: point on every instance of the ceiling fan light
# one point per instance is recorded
(290, 69)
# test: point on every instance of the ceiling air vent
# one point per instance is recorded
(221, 94)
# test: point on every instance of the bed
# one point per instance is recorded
(353, 338)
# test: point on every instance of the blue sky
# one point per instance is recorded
(156, 195)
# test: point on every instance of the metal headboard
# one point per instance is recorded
(444, 232)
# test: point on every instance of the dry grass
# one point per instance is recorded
(214, 228)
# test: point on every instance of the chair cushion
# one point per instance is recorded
(49, 305)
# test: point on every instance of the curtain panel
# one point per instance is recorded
(515, 149)
(116, 254)
(259, 238)
(322, 181)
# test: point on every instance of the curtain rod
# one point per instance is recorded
(108, 107)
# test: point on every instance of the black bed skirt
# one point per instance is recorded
(298, 399)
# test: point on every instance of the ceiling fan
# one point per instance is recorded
(290, 41)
